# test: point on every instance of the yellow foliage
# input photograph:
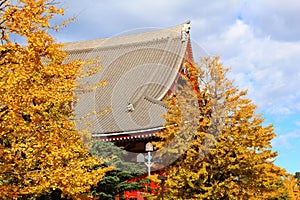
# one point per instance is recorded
(39, 148)
(228, 156)
(292, 187)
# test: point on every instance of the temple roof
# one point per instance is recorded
(139, 70)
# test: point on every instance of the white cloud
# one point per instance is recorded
(105, 18)
(268, 68)
(284, 141)
(278, 19)
(297, 123)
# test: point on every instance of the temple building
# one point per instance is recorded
(140, 71)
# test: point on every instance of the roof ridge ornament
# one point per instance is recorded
(185, 31)
(130, 107)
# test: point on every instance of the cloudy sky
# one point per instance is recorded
(258, 39)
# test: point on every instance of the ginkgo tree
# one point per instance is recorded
(291, 188)
(40, 151)
(230, 155)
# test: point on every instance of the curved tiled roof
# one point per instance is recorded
(139, 70)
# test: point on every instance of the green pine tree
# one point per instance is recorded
(123, 178)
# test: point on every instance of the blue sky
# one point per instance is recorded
(258, 39)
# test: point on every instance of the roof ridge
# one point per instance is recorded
(113, 46)
(174, 31)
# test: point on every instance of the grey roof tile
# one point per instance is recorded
(139, 69)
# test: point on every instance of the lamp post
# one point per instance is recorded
(141, 158)
(163, 179)
(149, 149)
(148, 163)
